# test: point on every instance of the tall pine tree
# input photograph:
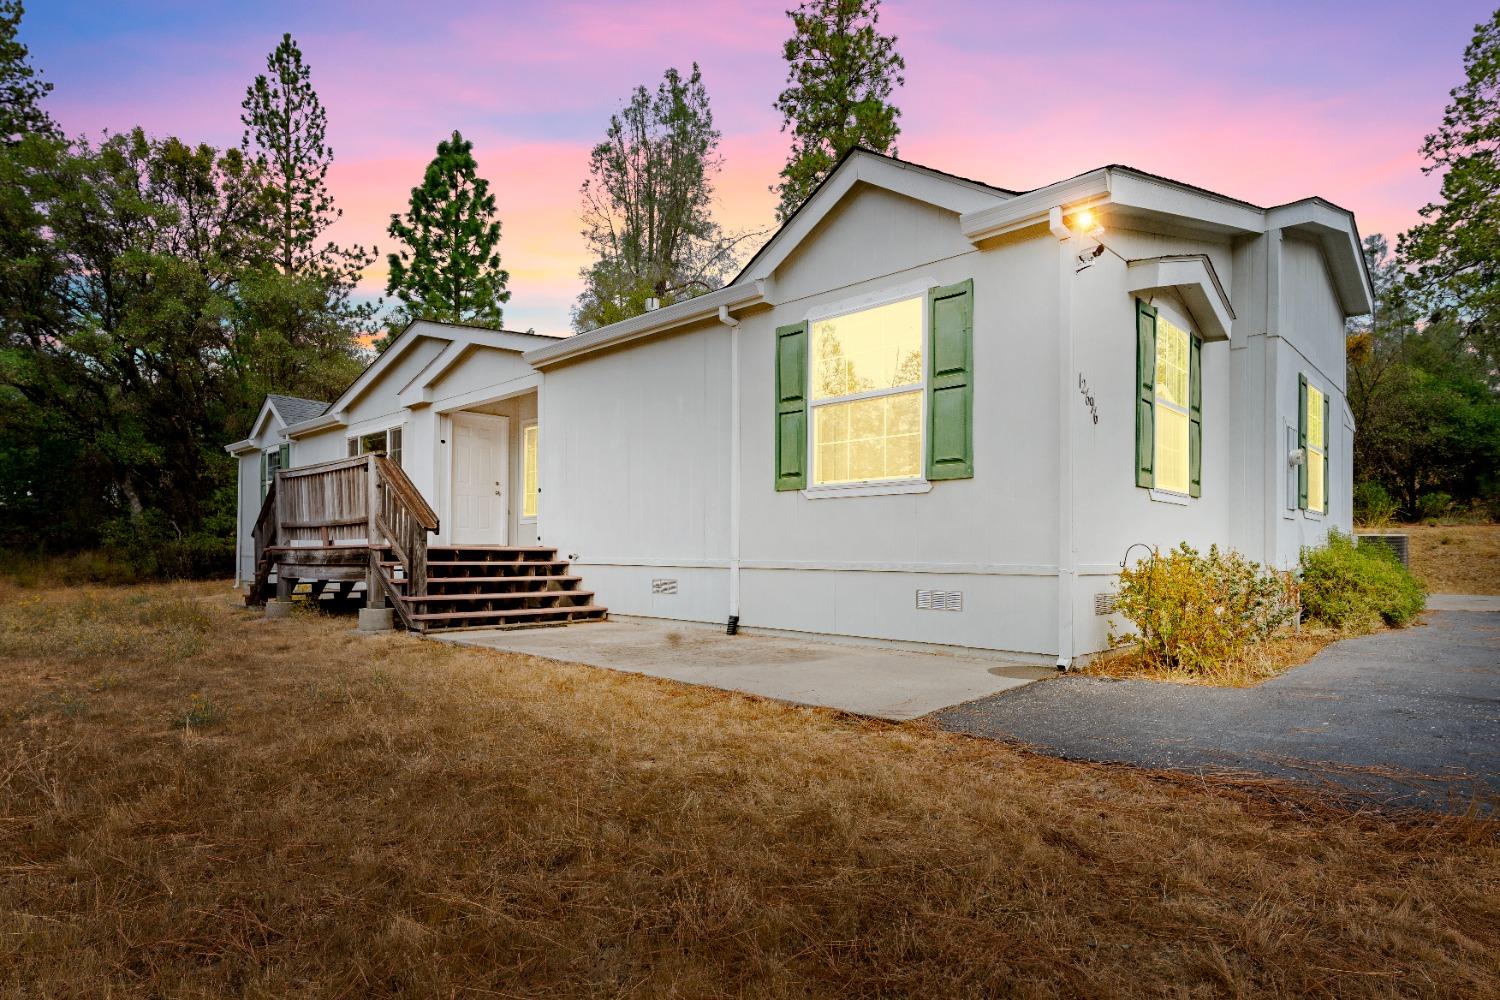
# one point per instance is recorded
(841, 71)
(1456, 249)
(286, 128)
(449, 268)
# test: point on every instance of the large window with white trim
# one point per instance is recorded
(385, 442)
(868, 385)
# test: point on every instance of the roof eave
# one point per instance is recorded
(678, 314)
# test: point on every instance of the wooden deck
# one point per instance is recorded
(362, 520)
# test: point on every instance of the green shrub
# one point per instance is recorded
(1373, 504)
(1198, 613)
(1356, 587)
(1431, 506)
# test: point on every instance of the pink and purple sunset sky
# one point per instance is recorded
(1267, 101)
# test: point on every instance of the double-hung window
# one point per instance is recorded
(1169, 407)
(1172, 367)
(868, 383)
(384, 442)
(1312, 433)
(272, 460)
(879, 399)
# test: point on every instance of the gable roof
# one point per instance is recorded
(456, 334)
(295, 409)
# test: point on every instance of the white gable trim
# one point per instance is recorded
(908, 179)
(459, 339)
(1193, 278)
(1332, 228)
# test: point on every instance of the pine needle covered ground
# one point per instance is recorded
(198, 802)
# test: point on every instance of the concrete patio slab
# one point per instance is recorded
(880, 682)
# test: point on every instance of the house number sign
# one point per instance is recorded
(1088, 397)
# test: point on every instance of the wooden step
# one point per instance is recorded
(512, 596)
(516, 578)
(576, 609)
(495, 565)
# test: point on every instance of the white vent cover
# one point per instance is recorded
(940, 600)
(1104, 604)
(663, 586)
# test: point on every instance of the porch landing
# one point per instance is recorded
(875, 681)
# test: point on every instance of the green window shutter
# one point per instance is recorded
(1145, 407)
(265, 459)
(950, 382)
(1302, 441)
(285, 460)
(791, 407)
(1327, 436)
(1195, 417)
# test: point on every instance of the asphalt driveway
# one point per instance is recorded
(1409, 717)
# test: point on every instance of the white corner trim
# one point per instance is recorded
(889, 488)
(1166, 496)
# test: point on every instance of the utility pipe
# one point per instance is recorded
(1066, 569)
(734, 469)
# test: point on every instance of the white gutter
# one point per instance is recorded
(734, 466)
(1066, 266)
(315, 424)
(677, 314)
(240, 447)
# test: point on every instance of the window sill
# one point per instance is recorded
(1164, 496)
(889, 488)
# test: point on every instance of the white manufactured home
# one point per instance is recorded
(928, 411)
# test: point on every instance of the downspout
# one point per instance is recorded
(1065, 364)
(733, 625)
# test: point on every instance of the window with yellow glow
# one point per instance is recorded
(528, 471)
(866, 395)
(1171, 406)
(1317, 447)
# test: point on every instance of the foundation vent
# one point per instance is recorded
(940, 600)
(1105, 604)
(663, 586)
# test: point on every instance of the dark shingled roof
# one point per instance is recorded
(294, 409)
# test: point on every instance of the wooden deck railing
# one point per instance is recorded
(315, 515)
(402, 518)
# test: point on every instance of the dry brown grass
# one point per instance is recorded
(1455, 558)
(388, 816)
(1261, 661)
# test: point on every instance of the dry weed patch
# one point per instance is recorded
(1455, 558)
(388, 816)
(1260, 662)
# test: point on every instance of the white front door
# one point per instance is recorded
(481, 458)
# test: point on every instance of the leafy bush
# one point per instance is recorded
(1433, 505)
(1197, 613)
(1373, 504)
(1356, 587)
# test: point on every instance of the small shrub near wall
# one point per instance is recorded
(1195, 613)
(1356, 588)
